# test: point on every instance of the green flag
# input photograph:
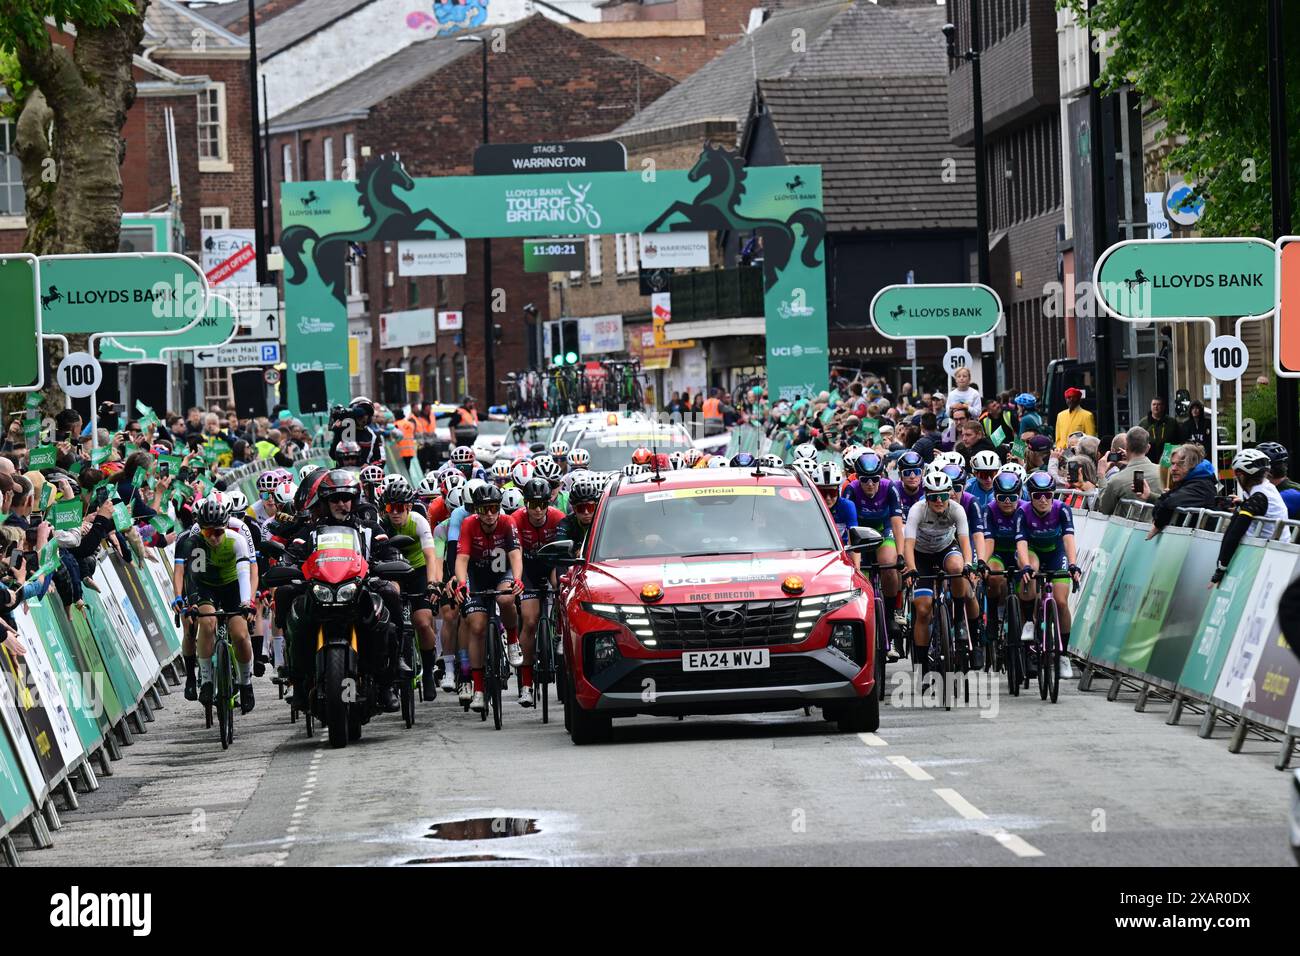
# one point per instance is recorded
(1167, 458)
(162, 523)
(68, 515)
(42, 456)
(1018, 449)
(99, 455)
(121, 517)
(140, 477)
(998, 437)
(49, 557)
(47, 495)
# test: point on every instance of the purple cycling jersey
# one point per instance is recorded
(1047, 532)
(906, 499)
(1005, 529)
(876, 510)
(974, 512)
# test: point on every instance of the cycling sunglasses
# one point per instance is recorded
(394, 507)
(872, 479)
(1006, 498)
(537, 503)
(938, 496)
(987, 473)
(585, 508)
(1040, 495)
(911, 472)
(488, 509)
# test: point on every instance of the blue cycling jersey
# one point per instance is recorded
(1005, 529)
(974, 513)
(1047, 532)
(876, 511)
(845, 516)
(982, 498)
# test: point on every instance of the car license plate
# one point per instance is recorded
(726, 660)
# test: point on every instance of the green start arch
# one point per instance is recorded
(783, 203)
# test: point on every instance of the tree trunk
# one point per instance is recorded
(74, 182)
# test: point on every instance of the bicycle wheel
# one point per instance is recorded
(545, 663)
(503, 673)
(943, 624)
(1052, 657)
(1040, 627)
(223, 690)
(1012, 651)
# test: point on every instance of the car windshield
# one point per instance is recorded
(717, 519)
(613, 452)
(493, 428)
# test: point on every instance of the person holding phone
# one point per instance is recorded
(1127, 483)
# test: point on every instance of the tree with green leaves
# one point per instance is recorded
(1204, 65)
(67, 65)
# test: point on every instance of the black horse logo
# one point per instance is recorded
(794, 183)
(389, 217)
(714, 209)
(895, 313)
(1139, 277)
(54, 295)
(310, 198)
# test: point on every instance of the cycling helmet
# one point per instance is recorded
(522, 471)
(347, 449)
(950, 458)
(772, 461)
(501, 471)
(537, 489)
(579, 458)
(396, 494)
(1277, 456)
(487, 494)
(869, 465)
(985, 460)
(806, 450)
(267, 482)
(1250, 461)
(549, 469)
(743, 459)
(308, 489)
(692, 456)
(677, 460)
(1025, 400)
(338, 485)
(937, 481)
(910, 459)
(1007, 483)
(238, 501)
(957, 473)
(449, 481)
(559, 450)
(472, 486)
(829, 474)
(305, 470)
(1040, 481)
(633, 469)
(717, 461)
(587, 488)
(456, 497)
(462, 455)
(1016, 469)
(808, 466)
(372, 474)
(212, 511)
(642, 456)
(285, 493)
(511, 501)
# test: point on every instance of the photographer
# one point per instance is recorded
(1127, 483)
(354, 423)
(1116, 457)
(1081, 468)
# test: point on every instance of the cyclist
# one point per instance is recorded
(582, 500)
(560, 453)
(448, 617)
(548, 468)
(420, 587)
(372, 479)
(579, 460)
(985, 465)
(642, 456)
(264, 508)
(692, 456)
(975, 522)
(347, 454)
(878, 506)
(459, 502)
(462, 457)
(537, 524)
(1260, 499)
(500, 472)
(522, 472)
(488, 559)
(911, 468)
(1004, 530)
(806, 450)
(1049, 546)
(212, 571)
(936, 540)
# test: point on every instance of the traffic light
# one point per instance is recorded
(569, 340)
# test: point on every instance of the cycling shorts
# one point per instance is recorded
(483, 581)
(537, 575)
(414, 588)
(224, 597)
(929, 564)
(1005, 561)
(1054, 561)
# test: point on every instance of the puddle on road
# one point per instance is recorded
(484, 858)
(483, 828)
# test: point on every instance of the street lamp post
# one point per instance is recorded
(972, 56)
(489, 336)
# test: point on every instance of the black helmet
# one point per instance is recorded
(338, 485)
(363, 406)
(1278, 457)
(537, 489)
(397, 493)
(308, 484)
(487, 494)
(588, 487)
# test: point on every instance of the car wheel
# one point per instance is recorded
(585, 726)
(861, 717)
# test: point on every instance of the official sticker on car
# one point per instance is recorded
(735, 660)
(713, 491)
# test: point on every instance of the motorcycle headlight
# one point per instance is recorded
(323, 594)
(347, 593)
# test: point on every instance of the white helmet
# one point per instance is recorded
(677, 460)
(633, 469)
(1251, 461)
(852, 454)
(512, 501)
(456, 497)
(462, 455)
(522, 471)
(772, 461)
(268, 480)
(548, 468)
(372, 474)
(239, 502)
(471, 487)
(828, 474)
(559, 450)
(937, 480)
(579, 458)
(806, 450)
(501, 470)
(809, 467)
(951, 458)
(448, 481)
(986, 460)
(304, 470)
(717, 461)
(1016, 469)
(285, 492)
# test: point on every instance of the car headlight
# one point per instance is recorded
(347, 592)
(813, 609)
(322, 593)
(634, 617)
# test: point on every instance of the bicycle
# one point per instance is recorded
(544, 669)
(496, 669)
(882, 627)
(941, 626)
(409, 690)
(225, 690)
(1006, 640)
(1048, 625)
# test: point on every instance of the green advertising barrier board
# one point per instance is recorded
(142, 612)
(1219, 622)
(116, 660)
(783, 204)
(21, 368)
(159, 606)
(1125, 599)
(78, 692)
(1159, 576)
(15, 800)
(1183, 616)
(1095, 594)
(217, 327)
(36, 722)
(121, 293)
(92, 664)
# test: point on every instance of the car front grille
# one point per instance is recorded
(691, 627)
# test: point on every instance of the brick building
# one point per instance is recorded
(424, 103)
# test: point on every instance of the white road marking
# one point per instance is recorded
(909, 768)
(959, 803)
(871, 740)
(1017, 845)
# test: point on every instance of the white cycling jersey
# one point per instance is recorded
(933, 532)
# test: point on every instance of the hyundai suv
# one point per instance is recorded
(714, 591)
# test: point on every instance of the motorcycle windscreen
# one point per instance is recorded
(337, 557)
